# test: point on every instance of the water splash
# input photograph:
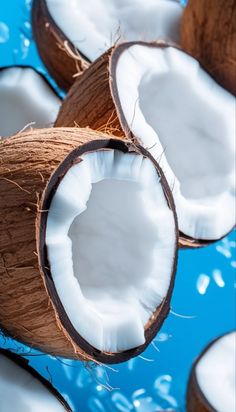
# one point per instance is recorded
(217, 276)
(162, 387)
(95, 405)
(121, 403)
(143, 402)
(203, 282)
(4, 32)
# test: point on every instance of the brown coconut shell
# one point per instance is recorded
(24, 364)
(93, 101)
(195, 398)
(63, 61)
(208, 33)
(31, 166)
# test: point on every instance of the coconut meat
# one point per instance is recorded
(187, 122)
(215, 373)
(111, 242)
(20, 391)
(94, 25)
(25, 97)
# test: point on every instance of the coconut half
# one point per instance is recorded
(80, 31)
(22, 389)
(212, 384)
(88, 251)
(161, 97)
(25, 98)
(208, 33)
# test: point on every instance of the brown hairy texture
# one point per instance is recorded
(93, 101)
(31, 166)
(208, 33)
(63, 61)
(27, 162)
(24, 364)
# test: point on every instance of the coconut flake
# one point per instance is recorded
(186, 121)
(95, 25)
(215, 373)
(111, 239)
(26, 99)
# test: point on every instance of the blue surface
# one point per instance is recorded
(203, 304)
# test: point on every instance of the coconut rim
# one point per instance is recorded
(114, 54)
(40, 73)
(57, 32)
(193, 378)
(154, 323)
(24, 364)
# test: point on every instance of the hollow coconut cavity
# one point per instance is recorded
(81, 31)
(94, 26)
(213, 382)
(110, 241)
(22, 389)
(25, 99)
(106, 241)
(161, 97)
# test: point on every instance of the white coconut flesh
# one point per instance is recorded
(25, 97)
(187, 122)
(215, 373)
(94, 25)
(110, 239)
(22, 392)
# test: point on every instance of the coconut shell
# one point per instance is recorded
(31, 166)
(24, 364)
(195, 399)
(93, 101)
(208, 33)
(59, 55)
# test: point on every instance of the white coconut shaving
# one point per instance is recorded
(215, 373)
(21, 392)
(95, 25)
(187, 122)
(111, 239)
(25, 99)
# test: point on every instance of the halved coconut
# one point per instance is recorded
(161, 97)
(208, 33)
(88, 245)
(25, 98)
(212, 384)
(72, 33)
(23, 389)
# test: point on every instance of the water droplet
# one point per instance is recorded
(84, 378)
(4, 32)
(217, 276)
(202, 283)
(144, 403)
(121, 402)
(24, 45)
(95, 405)
(163, 337)
(162, 386)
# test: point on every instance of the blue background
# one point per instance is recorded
(203, 303)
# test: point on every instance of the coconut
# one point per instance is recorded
(88, 245)
(80, 31)
(208, 32)
(212, 381)
(160, 96)
(26, 98)
(23, 389)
